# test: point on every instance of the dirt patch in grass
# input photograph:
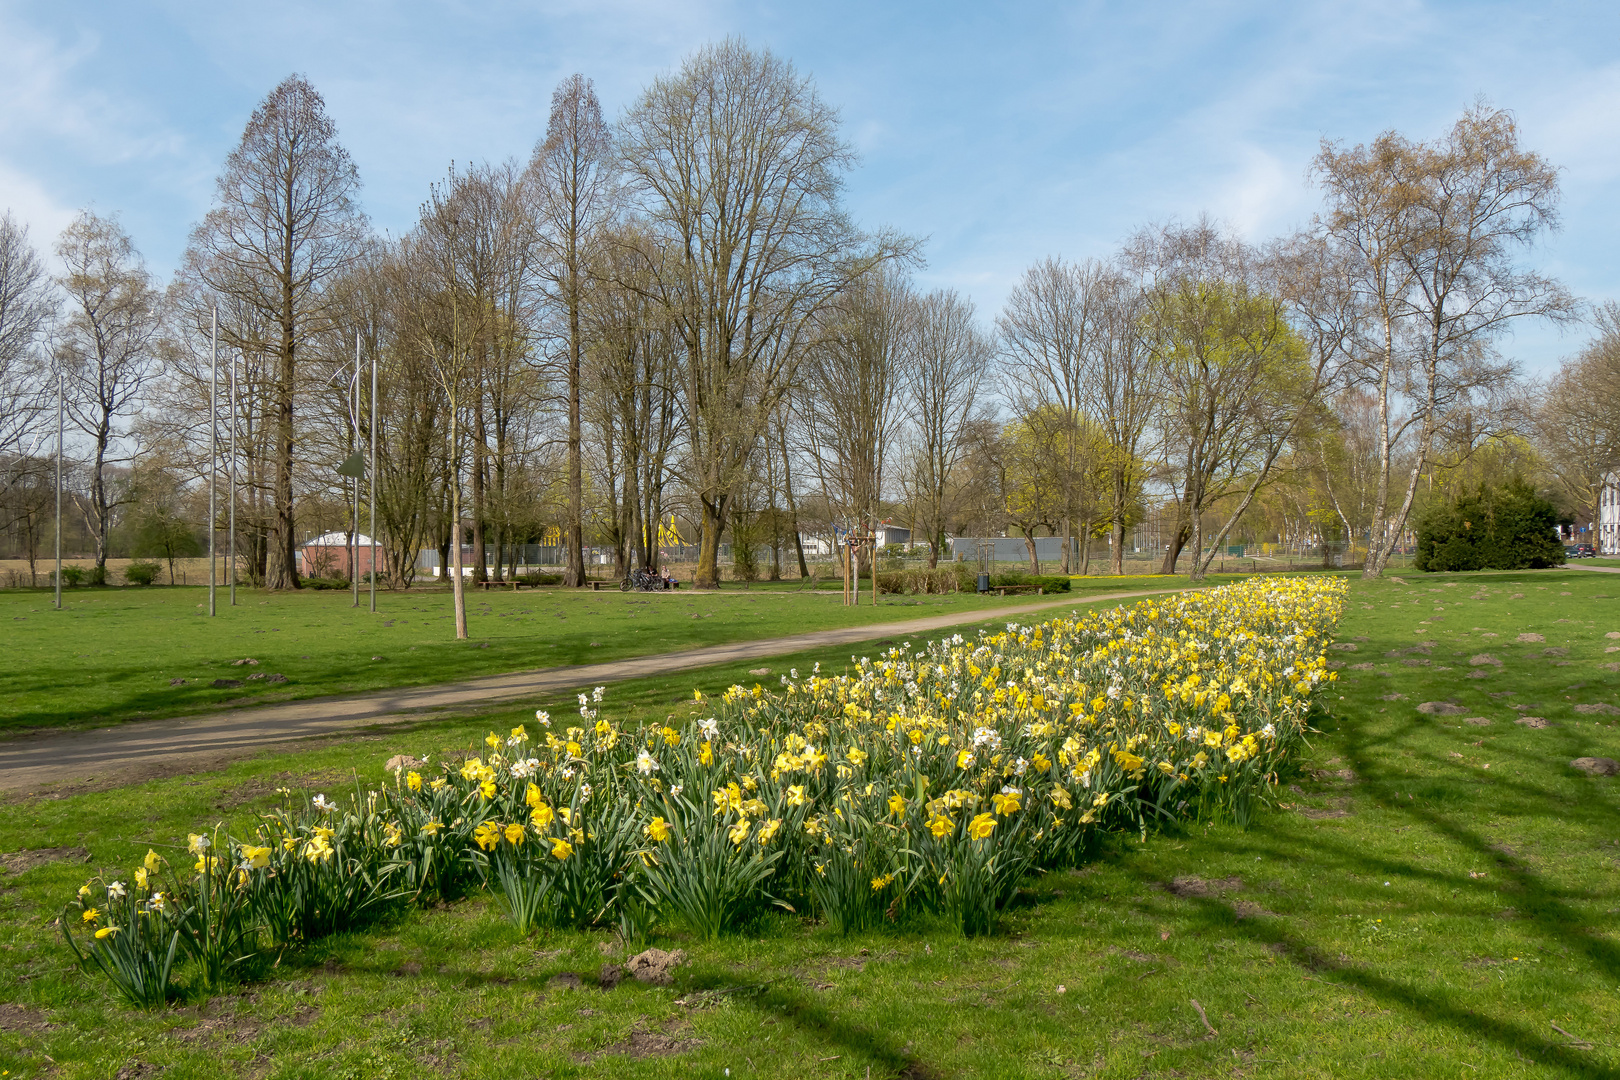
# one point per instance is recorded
(1202, 889)
(20, 862)
(646, 1044)
(20, 1018)
(1336, 808)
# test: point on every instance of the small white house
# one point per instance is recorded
(1607, 540)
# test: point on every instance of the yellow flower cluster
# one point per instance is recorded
(935, 775)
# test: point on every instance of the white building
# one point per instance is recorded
(1607, 540)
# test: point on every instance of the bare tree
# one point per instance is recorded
(574, 182)
(1072, 341)
(284, 224)
(27, 308)
(105, 347)
(739, 168)
(1435, 230)
(1578, 415)
(852, 379)
(948, 358)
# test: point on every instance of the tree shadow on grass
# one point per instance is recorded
(1550, 908)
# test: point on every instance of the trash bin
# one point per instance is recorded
(984, 582)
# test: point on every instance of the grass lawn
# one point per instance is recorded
(113, 654)
(1467, 923)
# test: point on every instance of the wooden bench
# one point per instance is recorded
(513, 584)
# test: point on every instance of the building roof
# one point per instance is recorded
(336, 539)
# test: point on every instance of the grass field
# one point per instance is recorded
(113, 654)
(1432, 896)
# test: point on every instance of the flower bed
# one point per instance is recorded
(926, 780)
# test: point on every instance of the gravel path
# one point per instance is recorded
(140, 750)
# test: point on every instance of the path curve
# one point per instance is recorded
(131, 751)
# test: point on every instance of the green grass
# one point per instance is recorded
(1405, 911)
(111, 654)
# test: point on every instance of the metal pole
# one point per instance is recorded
(61, 381)
(372, 483)
(233, 479)
(213, 449)
(354, 448)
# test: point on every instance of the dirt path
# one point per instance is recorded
(141, 750)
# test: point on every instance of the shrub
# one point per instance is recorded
(1048, 582)
(1490, 528)
(944, 579)
(73, 575)
(142, 573)
(536, 578)
(320, 584)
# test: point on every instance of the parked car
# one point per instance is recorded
(1578, 551)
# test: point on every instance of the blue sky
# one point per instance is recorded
(1002, 133)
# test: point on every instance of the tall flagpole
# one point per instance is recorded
(233, 479)
(213, 449)
(61, 381)
(354, 448)
(372, 488)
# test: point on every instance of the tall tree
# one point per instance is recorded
(574, 182)
(1238, 380)
(853, 375)
(27, 308)
(283, 226)
(1436, 230)
(739, 168)
(105, 347)
(948, 358)
(1578, 415)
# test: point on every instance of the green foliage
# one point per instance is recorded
(130, 939)
(943, 579)
(73, 576)
(142, 573)
(328, 868)
(323, 584)
(1490, 528)
(1019, 576)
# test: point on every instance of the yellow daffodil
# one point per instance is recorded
(561, 849)
(982, 826)
(514, 834)
(487, 835)
(657, 830)
(106, 932)
(1005, 802)
(413, 780)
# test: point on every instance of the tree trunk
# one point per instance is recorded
(281, 569)
(714, 523)
(1117, 559)
(1177, 541)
